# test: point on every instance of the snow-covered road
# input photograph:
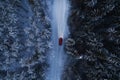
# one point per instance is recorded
(57, 57)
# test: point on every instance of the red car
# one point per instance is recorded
(60, 41)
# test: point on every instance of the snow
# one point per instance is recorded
(57, 55)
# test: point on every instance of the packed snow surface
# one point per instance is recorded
(57, 56)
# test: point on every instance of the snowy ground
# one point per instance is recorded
(57, 56)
